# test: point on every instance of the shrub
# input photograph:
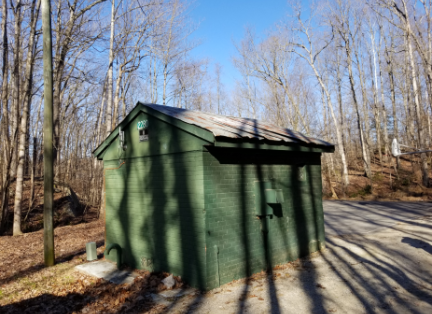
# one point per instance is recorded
(377, 177)
(363, 192)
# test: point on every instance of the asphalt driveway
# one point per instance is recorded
(349, 217)
(378, 259)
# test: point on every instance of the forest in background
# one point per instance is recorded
(354, 74)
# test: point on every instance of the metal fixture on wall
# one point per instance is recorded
(122, 139)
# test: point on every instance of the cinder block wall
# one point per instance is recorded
(193, 216)
(155, 212)
(236, 245)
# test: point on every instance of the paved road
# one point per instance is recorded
(349, 217)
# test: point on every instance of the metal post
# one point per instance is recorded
(48, 135)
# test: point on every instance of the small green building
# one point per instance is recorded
(208, 197)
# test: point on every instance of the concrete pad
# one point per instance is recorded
(177, 293)
(107, 271)
(158, 299)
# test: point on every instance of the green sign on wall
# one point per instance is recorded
(142, 127)
(143, 124)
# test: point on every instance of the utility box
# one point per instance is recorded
(265, 197)
(208, 197)
(91, 251)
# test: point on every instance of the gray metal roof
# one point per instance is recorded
(237, 128)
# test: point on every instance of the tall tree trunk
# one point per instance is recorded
(407, 100)
(345, 178)
(24, 117)
(49, 254)
(109, 107)
(421, 140)
(366, 133)
(117, 96)
(167, 49)
(390, 71)
(339, 95)
(16, 98)
(16, 73)
(366, 160)
(32, 174)
(405, 18)
(383, 108)
(376, 109)
(5, 122)
(99, 123)
(108, 118)
(326, 137)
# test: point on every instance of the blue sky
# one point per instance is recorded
(222, 21)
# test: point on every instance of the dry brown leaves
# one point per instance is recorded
(26, 286)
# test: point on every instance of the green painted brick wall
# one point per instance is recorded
(155, 212)
(191, 215)
(174, 207)
(236, 245)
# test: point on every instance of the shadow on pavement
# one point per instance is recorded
(418, 244)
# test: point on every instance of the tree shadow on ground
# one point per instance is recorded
(418, 244)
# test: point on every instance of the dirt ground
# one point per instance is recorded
(387, 182)
(26, 286)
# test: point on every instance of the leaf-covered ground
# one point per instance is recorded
(27, 286)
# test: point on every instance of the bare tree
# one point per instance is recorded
(307, 52)
(6, 144)
(341, 19)
(108, 118)
(404, 15)
(28, 86)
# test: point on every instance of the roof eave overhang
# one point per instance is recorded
(272, 145)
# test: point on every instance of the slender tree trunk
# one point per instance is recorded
(390, 68)
(407, 99)
(383, 107)
(100, 119)
(345, 178)
(109, 107)
(366, 160)
(425, 170)
(24, 118)
(108, 117)
(376, 109)
(16, 82)
(326, 156)
(167, 53)
(117, 96)
(126, 86)
(366, 133)
(33, 171)
(154, 84)
(49, 254)
(16, 73)
(4, 125)
(377, 118)
(339, 95)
